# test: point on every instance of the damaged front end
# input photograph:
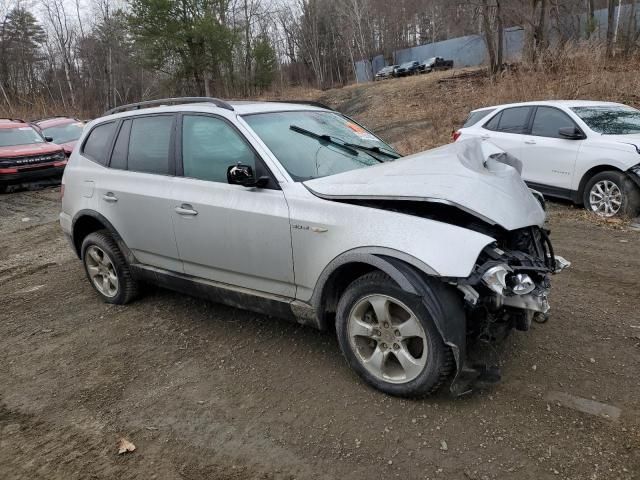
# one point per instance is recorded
(507, 290)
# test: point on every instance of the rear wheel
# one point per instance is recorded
(107, 268)
(610, 194)
(389, 338)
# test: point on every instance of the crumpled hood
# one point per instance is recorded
(466, 174)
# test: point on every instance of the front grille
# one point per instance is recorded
(31, 159)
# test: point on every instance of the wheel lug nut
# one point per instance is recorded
(377, 333)
(396, 346)
(397, 333)
(386, 324)
(383, 345)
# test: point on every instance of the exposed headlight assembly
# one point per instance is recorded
(496, 278)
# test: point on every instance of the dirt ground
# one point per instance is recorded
(210, 392)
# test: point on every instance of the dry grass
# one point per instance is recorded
(417, 113)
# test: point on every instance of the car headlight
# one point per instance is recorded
(496, 278)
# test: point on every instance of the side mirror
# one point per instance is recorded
(49, 139)
(243, 175)
(571, 133)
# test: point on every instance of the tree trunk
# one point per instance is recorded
(611, 7)
(591, 19)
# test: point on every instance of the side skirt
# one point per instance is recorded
(556, 192)
(238, 297)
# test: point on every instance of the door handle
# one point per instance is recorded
(110, 197)
(530, 142)
(186, 210)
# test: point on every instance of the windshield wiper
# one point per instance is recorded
(386, 152)
(324, 138)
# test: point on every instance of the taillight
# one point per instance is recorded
(455, 135)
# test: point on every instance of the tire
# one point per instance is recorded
(102, 258)
(620, 196)
(429, 368)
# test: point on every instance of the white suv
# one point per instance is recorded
(583, 151)
(298, 211)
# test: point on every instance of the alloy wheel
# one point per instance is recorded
(605, 198)
(388, 339)
(101, 271)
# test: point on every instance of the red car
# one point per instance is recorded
(64, 131)
(26, 155)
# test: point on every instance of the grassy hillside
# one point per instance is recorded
(417, 113)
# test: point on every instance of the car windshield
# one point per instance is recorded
(10, 137)
(431, 60)
(406, 65)
(64, 133)
(313, 144)
(610, 120)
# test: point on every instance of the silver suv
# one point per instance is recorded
(297, 211)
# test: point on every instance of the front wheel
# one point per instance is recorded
(611, 193)
(107, 269)
(389, 338)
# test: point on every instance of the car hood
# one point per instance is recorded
(471, 174)
(27, 150)
(629, 139)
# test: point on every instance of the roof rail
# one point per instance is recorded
(166, 101)
(303, 102)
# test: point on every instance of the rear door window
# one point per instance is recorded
(98, 143)
(149, 144)
(514, 120)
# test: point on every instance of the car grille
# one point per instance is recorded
(31, 160)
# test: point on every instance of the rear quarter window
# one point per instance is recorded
(475, 117)
(98, 143)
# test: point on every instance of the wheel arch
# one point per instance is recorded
(86, 222)
(412, 276)
(588, 175)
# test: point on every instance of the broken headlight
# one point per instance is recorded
(496, 278)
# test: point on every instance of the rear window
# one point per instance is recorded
(25, 135)
(98, 143)
(475, 117)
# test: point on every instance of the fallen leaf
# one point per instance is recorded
(125, 446)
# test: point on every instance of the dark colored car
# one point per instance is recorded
(386, 72)
(64, 131)
(436, 63)
(408, 68)
(26, 155)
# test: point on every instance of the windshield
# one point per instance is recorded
(10, 137)
(318, 144)
(610, 120)
(406, 65)
(64, 133)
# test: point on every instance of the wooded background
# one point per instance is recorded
(85, 56)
